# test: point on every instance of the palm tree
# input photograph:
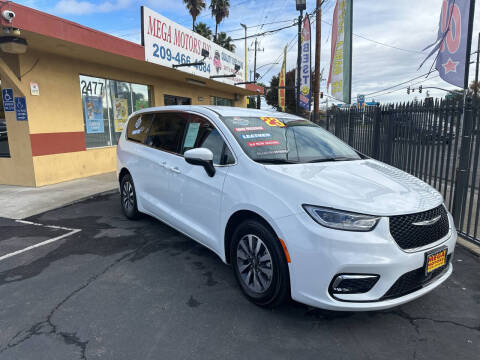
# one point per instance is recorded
(224, 41)
(194, 7)
(220, 10)
(204, 30)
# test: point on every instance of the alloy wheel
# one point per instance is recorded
(254, 263)
(128, 197)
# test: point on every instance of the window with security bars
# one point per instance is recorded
(215, 100)
(4, 147)
(106, 106)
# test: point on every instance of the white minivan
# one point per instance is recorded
(294, 210)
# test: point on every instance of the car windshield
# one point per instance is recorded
(285, 140)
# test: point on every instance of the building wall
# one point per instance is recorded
(54, 133)
(18, 168)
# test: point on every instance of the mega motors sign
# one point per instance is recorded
(168, 43)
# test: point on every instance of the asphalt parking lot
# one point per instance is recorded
(105, 287)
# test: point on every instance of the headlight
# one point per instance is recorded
(341, 220)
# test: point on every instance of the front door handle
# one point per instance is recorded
(175, 170)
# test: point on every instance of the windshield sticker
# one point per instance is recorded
(240, 121)
(253, 136)
(191, 136)
(251, 128)
(263, 143)
(271, 121)
(272, 152)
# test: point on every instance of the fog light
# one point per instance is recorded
(353, 283)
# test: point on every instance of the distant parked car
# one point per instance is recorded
(294, 210)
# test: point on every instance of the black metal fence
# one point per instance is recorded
(438, 142)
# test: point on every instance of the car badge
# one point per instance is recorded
(427, 222)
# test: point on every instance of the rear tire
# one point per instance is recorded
(259, 264)
(128, 197)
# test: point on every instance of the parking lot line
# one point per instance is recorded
(43, 243)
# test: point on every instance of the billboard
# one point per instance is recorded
(340, 75)
(167, 43)
(305, 65)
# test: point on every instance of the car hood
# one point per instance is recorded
(364, 186)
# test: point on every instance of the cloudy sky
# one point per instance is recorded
(406, 26)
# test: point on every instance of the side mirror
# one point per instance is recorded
(202, 157)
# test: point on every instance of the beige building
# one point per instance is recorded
(71, 73)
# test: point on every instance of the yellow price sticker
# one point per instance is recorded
(271, 121)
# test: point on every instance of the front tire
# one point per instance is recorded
(128, 197)
(259, 264)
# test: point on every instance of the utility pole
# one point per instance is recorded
(475, 89)
(255, 59)
(298, 62)
(245, 67)
(300, 6)
(318, 41)
(255, 62)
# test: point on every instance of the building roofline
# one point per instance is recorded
(39, 22)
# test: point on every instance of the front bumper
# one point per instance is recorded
(318, 254)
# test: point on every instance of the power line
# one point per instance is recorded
(380, 43)
(397, 85)
(267, 32)
(415, 83)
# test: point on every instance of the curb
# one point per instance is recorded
(87, 197)
(471, 247)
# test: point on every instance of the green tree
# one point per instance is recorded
(272, 94)
(220, 10)
(194, 7)
(224, 41)
(204, 30)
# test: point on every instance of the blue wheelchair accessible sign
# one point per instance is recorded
(21, 108)
(7, 96)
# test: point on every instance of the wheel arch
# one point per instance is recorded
(122, 173)
(236, 219)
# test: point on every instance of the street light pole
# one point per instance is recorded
(245, 67)
(475, 89)
(301, 5)
(318, 40)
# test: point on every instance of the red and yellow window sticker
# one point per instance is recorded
(271, 121)
(263, 143)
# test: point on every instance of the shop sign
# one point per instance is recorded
(21, 108)
(93, 112)
(168, 43)
(121, 113)
(7, 96)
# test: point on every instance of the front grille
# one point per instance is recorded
(409, 236)
(412, 281)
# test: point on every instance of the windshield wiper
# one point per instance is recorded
(339, 158)
(275, 161)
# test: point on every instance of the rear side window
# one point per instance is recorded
(138, 127)
(166, 132)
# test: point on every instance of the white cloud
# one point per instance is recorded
(76, 7)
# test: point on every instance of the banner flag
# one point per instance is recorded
(305, 66)
(452, 42)
(340, 75)
(281, 82)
